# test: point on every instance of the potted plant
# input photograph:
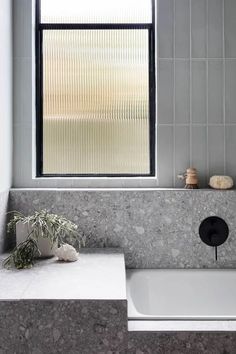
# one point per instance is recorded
(39, 235)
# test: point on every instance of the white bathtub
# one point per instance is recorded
(181, 299)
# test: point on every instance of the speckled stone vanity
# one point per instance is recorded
(57, 307)
(81, 308)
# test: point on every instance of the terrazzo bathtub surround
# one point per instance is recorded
(60, 326)
(155, 228)
(38, 316)
(181, 343)
(87, 327)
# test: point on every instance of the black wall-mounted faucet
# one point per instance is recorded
(213, 232)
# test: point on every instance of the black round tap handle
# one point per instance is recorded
(213, 231)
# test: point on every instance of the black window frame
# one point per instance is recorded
(39, 28)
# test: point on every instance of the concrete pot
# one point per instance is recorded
(45, 246)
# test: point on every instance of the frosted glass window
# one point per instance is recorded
(96, 11)
(96, 101)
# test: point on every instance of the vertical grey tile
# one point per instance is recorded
(182, 29)
(182, 91)
(22, 91)
(215, 28)
(216, 150)
(22, 160)
(231, 151)
(199, 111)
(199, 153)
(199, 26)
(165, 156)
(230, 91)
(215, 91)
(165, 91)
(182, 151)
(165, 28)
(230, 28)
(22, 28)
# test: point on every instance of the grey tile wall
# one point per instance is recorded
(165, 26)
(229, 21)
(196, 67)
(182, 92)
(199, 87)
(197, 76)
(182, 29)
(165, 135)
(230, 90)
(215, 26)
(215, 97)
(198, 28)
(181, 153)
(216, 150)
(199, 146)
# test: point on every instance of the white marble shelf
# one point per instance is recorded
(99, 274)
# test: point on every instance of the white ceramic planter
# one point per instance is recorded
(44, 245)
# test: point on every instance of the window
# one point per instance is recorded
(95, 73)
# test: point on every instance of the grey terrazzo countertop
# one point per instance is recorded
(99, 274)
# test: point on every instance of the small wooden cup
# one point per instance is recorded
(191, 179)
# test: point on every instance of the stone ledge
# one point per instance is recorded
(98, 274)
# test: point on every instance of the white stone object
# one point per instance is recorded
(44, 244)
(67, 253)
(221, 182)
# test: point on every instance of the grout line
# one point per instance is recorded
(196, 59)
(224, 84)
(174, 130)
(190, 86)
(199, 124)
(207, 93)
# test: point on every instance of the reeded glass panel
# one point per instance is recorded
(96, 102)
(96, 11)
